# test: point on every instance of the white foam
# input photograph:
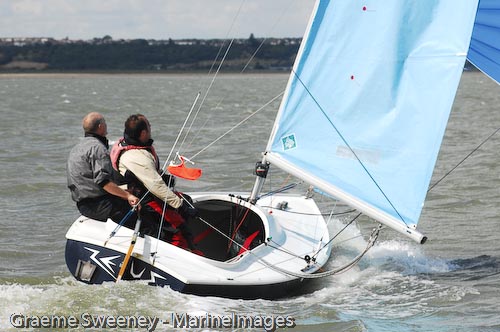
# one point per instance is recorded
(407, 257)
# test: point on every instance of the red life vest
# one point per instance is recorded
(120, 146)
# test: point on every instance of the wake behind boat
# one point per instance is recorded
(361, 120)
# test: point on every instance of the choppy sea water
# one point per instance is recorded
(452, 283)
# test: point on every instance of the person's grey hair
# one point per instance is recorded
(92, 121)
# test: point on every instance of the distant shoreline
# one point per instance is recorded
(29, 74)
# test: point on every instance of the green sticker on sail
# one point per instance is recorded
(289, 142)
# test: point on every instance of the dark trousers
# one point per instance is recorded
(107, 206)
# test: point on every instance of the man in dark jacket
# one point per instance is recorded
(90, 175)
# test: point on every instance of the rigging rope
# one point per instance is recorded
(333, 238)
(180, 132)
(466, 157)
(217, 71)
(371, 242)
(285, 9)
(236, 126)
(208, 91)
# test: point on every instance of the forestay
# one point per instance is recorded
(484, 51)
(368, 100)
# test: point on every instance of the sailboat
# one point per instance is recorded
(362, 120)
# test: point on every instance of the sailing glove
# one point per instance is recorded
(169, 180)
(188, 211)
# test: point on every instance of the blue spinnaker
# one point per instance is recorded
(367, 104)
(484, 51)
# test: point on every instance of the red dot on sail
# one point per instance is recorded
(352, 77)
(364, 8)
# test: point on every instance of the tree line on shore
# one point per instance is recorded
(106, 54)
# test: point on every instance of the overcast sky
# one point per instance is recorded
(157, 19)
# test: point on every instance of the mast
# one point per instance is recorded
(261, 169)
(261, 176)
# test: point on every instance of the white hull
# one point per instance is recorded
(268, 270)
